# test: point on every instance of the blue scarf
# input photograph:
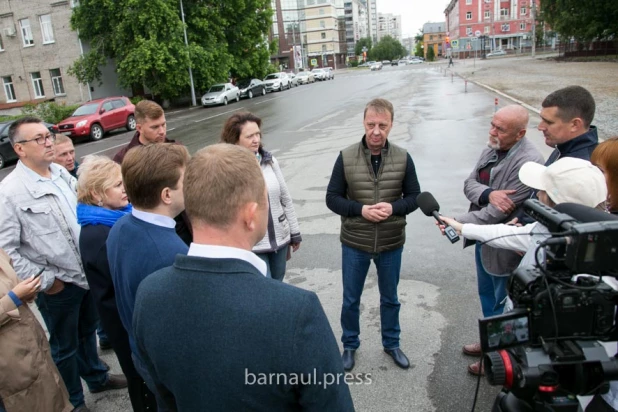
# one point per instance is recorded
(96, 215)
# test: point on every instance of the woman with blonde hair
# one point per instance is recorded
(102, 200)
(605, 157)
(29, 379)
(243, 129)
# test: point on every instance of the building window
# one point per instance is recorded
(322, 24)
(487, 14)
(9, 91)
(46, 28)
(522, 11)
(322, 11)
(323, 35)
(468, 1)
(469, 15)
(486, 30)
(26, 32)
(1, 44)
(37, 84)
(469, 31)
(323, 48)
(57, 83)
(504, 12)
(522, 26)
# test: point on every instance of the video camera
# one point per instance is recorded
(545, 351)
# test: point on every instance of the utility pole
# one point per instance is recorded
(294, 44)
(184, 28)
(533, 12)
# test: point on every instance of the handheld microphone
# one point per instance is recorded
(430, 207)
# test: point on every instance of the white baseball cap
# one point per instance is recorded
(568, 180)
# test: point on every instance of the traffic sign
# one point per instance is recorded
(468, 46)
(477, 33)
(314, 62)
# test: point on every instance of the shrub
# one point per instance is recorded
(354, 63)
(137, 99)
(49, 112)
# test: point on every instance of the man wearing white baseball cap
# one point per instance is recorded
(568, 180)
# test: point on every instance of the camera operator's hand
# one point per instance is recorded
(500, 199)
(452, 223)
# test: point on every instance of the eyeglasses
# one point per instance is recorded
(40, 140)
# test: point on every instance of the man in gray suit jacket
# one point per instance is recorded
(214, 332)
(496, 194)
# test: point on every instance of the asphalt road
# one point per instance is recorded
(444, 129)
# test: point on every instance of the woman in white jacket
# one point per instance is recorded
(243, 129)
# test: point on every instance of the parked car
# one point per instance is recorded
(319, 74)
(366, 64)
(276, 81)
(416, 61)
(395, 63)
(330, 73)
(376, 66)
(497, 52)
(7, 154)
(293, 80)
(386, 62)
(403, 62)
(305, 77)
(98, 117)
(251, 87)
(220, 94)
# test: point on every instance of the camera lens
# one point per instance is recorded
(499, 368)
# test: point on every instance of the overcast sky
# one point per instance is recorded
(414, 13)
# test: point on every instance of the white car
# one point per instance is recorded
(305, 77)
(376, 66)
(319, 74)
(220, 94)
(415, 61)
(276, 81)
(496, 53)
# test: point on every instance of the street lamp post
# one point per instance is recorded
(184, 28)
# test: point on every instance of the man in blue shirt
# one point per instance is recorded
(145, 241)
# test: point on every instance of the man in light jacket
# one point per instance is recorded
(495, 194)
(38, 204)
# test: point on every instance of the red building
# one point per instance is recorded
(501, 24)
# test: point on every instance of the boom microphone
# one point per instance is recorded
(430, 207)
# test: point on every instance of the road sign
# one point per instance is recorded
(365, 49)
(469, 46)
(314, 62)
(455, 44)
(477, 33)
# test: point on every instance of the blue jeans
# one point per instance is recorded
(275, 262)
(141, 368)
(492, 289)
(355, 264)
(72, 319)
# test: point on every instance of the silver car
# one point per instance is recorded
(293, 79)
(319, 74)
(220, 94)
(305, 77)
(276, 81)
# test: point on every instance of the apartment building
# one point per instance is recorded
(434, 36)
(389, 25)
(504, 24)
(355, 24)
(37, 47)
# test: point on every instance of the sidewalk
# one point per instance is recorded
(531, 80)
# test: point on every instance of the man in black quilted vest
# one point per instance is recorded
(373, 187)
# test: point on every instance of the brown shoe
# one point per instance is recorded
(473, 349)
(476, 369)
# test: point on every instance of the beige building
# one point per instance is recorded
(324, 36)
(37, 47)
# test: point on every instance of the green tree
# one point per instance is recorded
(364, 42)
(387, 48)
(431, 55)
(596, 19)
(145, 39)
(418, 51)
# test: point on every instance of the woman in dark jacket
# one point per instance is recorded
(102, 201)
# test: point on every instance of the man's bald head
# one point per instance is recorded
(508, 127)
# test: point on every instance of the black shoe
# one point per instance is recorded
(399, 357)
(348, 359)
(81, 408)
(105, 344)
(113, 382)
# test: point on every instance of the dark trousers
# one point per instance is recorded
(276, 262)
(355, 264)
(72, 320)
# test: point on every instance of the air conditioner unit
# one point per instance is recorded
(9, 31)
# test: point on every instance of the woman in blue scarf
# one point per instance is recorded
(102, 200)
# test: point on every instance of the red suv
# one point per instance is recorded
(98, 117)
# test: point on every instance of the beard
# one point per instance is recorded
(492, 145)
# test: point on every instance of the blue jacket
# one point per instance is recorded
(216, 335)
(581, 147)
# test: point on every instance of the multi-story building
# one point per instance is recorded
(372, 20)
(504, 24)
(355, 24)
(434, 36)
(37, 47)
(389, 25)
(410, 44)
(308, 32)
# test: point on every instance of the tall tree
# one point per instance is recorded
(595, 19)
(387, 48)
(418, 51)
(145, 38)
(363, 42)
(431, 54)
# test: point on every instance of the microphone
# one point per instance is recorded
(430, 207)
